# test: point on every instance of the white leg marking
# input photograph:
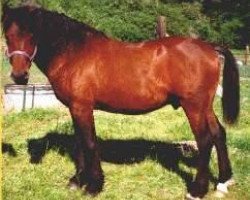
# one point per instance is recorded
(222, 188)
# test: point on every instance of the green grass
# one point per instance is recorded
(244, 71)
(138, 154)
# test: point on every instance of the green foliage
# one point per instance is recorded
(231, 20)
(135, 20)
(228, 31)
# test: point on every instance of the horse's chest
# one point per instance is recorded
(60, 85)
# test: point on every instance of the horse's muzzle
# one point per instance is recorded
(20, 79)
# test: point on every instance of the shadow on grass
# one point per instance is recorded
(9, 149)
(169, 155)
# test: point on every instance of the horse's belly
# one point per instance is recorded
(130, 103)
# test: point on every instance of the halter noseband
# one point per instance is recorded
(23, 53)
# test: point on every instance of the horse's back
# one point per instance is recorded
(179, 66)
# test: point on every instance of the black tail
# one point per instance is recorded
(231, 87)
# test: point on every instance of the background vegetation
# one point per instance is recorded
(223, 21)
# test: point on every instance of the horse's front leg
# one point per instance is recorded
(87, 160)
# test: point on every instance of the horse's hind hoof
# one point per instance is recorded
(190, 197)
(222, 188)
(94, 189)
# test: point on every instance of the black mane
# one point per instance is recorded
(63, 27)
(51, 30)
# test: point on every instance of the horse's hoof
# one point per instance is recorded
(73, 186)
(222, 188)
(94, 187)
(190, 197)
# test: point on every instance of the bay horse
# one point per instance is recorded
(89, 70)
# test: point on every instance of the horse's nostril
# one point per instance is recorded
(26, 75)
(20, 78)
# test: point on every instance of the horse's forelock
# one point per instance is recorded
(22, 16)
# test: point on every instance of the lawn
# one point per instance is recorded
(141, 156)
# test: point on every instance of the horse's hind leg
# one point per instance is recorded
(219, 139)
(207, 131)
(87, 160)
(196, 113)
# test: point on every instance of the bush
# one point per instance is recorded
(135, 20)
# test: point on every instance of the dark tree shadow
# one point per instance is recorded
(9, 149)
(169, 155)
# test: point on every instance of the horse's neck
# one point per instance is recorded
(51, 70)
(55, 34)
(43, 58)
(46, 53)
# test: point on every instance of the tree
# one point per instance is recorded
(231, 18)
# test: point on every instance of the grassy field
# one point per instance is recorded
(141, 157)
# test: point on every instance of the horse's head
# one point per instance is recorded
(21, 46)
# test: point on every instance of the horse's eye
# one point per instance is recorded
(21, 34)
(11, 36)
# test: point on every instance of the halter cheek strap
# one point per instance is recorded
(23, 53)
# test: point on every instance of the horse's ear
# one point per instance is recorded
(5, 11)
(5, 8)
